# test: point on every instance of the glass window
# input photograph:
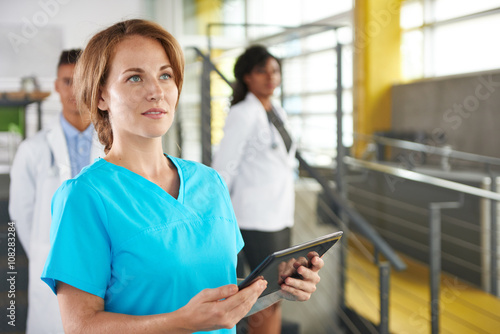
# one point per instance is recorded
(310, 10)
(412, 15)
(447, 9)
(308, 67)
(276, 12)
(412, 55)
(466, 46)
(440, 47)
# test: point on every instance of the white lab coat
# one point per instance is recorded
(260, 178)
(40, 166)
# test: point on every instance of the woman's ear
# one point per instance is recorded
(245, 79)
(103, 104)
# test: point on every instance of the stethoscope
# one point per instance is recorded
(274, 144)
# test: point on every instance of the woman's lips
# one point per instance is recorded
(154, 113)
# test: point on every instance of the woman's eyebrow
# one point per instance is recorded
(134, 69)
(140, 70)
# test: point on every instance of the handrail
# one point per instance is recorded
(212, 65)
(380, 245)
(422, 178)
(359, 221)
(435, 223)
(443, 151)
(288, 29)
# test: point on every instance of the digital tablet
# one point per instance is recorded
(279, 265)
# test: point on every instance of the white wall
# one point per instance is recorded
(34, 32)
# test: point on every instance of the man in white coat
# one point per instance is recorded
(41, 164)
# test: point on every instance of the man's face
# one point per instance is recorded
(64, 86)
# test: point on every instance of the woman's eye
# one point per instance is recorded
(134, 78)
(165, 76)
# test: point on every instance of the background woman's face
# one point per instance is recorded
(140, 92)
(263, 79)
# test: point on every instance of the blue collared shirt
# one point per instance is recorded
(79, 144)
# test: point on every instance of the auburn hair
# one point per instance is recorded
(92, 68)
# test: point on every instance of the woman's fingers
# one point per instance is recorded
(317, 264)
(222, 292)
(301, 289)
(222, 307)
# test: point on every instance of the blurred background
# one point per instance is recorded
(394, 104)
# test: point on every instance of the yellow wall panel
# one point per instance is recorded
(377, 64)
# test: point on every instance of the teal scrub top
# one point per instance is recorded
(119, 236)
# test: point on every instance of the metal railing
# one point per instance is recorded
(435, 222)
(446, 152)
(348, 215)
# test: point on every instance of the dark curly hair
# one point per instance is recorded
(255, 55)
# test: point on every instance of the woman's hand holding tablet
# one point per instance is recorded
(294, 271)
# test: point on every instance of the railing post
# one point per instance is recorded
(435, 263)
(493, 240)
(384, 278)
(340, 145)
(206, 114)
(435, 257)
(340, 171)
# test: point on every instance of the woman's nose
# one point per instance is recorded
(272, 74)
(155, 92)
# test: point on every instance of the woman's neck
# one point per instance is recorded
(143, 156)
(266, 101)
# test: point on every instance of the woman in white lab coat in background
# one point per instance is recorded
(257, 164)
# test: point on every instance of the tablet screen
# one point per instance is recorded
(279, 265)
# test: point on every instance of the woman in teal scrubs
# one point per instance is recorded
(142, 242)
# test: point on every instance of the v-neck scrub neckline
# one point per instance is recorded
(154, 187)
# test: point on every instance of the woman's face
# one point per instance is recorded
(140, 93)
(263, 80)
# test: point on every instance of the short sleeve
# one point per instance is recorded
(80, 253)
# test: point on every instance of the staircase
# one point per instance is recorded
(464, 307)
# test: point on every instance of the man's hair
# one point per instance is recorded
(69, 57)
